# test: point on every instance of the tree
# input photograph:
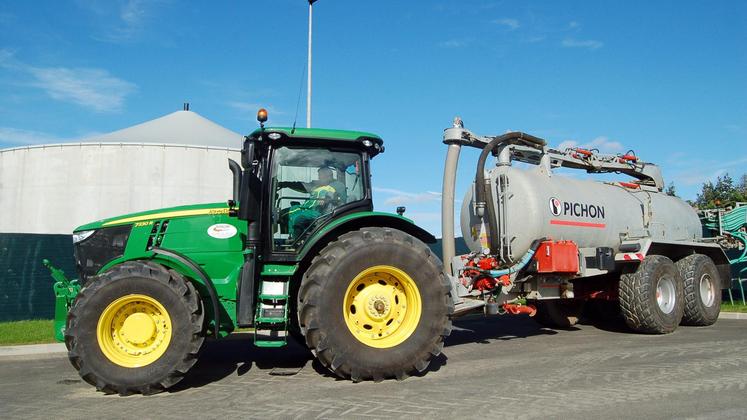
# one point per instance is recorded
(724, 193)
(670, 190)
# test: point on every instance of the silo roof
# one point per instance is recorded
(180, 127)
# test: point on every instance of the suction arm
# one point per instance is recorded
(481, 192)
(514, 137)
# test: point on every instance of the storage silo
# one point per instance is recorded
(48, 190)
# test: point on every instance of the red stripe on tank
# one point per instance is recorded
(579, 224)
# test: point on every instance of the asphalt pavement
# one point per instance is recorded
(491, 367)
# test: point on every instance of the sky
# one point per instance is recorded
(667, 79)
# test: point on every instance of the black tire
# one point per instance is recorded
(702, 304)
(638, 296)
(171, 290)
(294, 325)
(322, 294)
(557, 313)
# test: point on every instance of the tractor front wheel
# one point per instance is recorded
(136, 328)
(374, 304)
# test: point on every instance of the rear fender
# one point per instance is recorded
(357, 221)
(215, 312)
(677, 250)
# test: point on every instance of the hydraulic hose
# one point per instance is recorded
(504, 140)
(522, 262)
(514, 137)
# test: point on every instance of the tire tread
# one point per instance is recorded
(313, 286)
(170, 278)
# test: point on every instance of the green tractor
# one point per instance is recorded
(298, 251)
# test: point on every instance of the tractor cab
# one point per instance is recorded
(297, 180)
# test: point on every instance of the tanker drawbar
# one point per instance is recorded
(556, 244)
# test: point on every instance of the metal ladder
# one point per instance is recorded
(271, 318)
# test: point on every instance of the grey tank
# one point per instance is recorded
(540, 204)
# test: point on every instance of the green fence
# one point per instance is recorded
(25, 284)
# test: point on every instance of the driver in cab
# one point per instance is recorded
(322, 193)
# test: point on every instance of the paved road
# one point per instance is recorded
(490, 368)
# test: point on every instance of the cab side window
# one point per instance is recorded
(308, 185)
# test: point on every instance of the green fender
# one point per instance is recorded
(359, 220)
(207, 289)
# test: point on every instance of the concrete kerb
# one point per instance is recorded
(33, 349)
(59, 348)
(733, 315)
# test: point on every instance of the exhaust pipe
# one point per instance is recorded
(236, 169)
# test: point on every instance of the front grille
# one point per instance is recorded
(95, 251)
(156, 234)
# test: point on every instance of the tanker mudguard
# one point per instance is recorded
(678, 250)
(360, 220)
(637, 250)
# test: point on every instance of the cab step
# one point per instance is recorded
(271, 317)
(270, 338)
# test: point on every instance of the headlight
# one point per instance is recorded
(82, 235)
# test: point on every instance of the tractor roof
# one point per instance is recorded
(296, 136)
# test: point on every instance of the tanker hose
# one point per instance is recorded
(514, 137)
(522, 262)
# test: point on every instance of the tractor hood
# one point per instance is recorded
(168, 212)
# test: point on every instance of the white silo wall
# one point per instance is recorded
(55, 188)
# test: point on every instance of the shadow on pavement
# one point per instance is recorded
(481, 329)
(605, 316)
(237, 354)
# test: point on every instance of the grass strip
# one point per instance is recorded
(35, 331)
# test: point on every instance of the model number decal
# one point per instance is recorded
(222, 231)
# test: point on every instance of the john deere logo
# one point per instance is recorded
(555, 206)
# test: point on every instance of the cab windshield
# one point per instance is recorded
(308, 185)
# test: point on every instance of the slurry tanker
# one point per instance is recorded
(560, 243)
(299, 251)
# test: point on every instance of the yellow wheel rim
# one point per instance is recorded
(382, 306)
(134, 331)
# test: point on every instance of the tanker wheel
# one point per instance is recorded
(136, 328)
(702, 293)
(651, 298)
(557, 313)
(374, 304)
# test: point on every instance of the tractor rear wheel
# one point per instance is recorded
(374, 304)
(702, 291)
(136, 328)
(651, 298)
(557, 313)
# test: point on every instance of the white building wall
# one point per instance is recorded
(55, 188)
